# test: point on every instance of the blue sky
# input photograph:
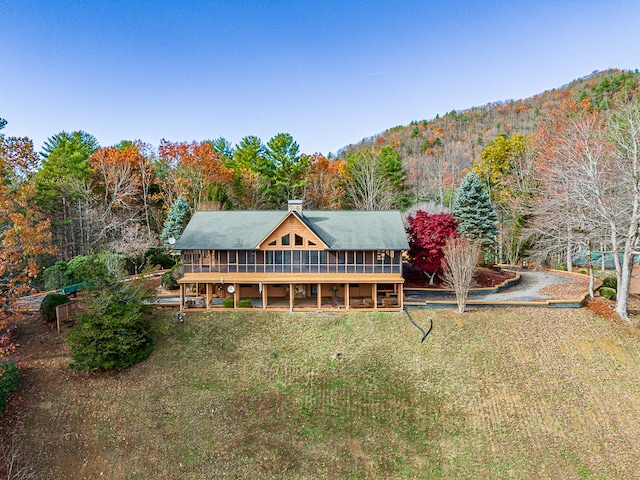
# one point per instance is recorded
(328, 72)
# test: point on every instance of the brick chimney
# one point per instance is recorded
(295, 206)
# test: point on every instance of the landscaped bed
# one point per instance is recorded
(483, 277)
(495, 393)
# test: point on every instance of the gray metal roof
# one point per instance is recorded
(339, 229)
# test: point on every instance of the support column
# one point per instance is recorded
(208, 296)
(236, 295)
(291, 296)
(346, 296)
(401, 296)
(374, 295)
(181, 296)
(265, 297)
(319, 296)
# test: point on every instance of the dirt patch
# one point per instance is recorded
(483, 277)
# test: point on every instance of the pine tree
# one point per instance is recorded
(474, 212)
(176, 221)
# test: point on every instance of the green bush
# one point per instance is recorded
(562, 266)
(245, 303)
(227, 303)
(159, 257)
(168, 281)
(49, 304)
(8, 381)
(55, 276)
(114, 331)
(610, 282)
(609, 293)
(86, 268)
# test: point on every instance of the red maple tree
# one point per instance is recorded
(428, 234)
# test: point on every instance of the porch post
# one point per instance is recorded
(208, 296)
(264, 296)
(374, 295)
(319, 296)
(401, 296)
(181, 296)
(346, 296)
(291, 296)
(236, 295)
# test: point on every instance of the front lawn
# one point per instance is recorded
(502, 393)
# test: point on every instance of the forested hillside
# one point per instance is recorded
(437, 152)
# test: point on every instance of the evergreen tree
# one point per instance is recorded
(176, 221)
(114, 330)
(474, 212)
(392, 169)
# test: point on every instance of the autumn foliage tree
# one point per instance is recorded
(189, 170)
(428, 234)
(323, 189)
(25, 234)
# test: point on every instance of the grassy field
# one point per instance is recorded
(504, 393)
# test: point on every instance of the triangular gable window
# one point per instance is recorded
(291, 233)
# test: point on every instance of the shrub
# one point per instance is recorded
(227, 303)
(86, 268)
(608, 293)
(158, 257)
(49, 304)
(8, 381)
(168, 281)
(245, 303)
(562, 266)
(610, 282)
(55, 276)
(114, 331)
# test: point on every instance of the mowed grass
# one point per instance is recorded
(502, 393)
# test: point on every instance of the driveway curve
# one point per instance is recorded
(529, 289)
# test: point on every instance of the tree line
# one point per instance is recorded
(554, 194)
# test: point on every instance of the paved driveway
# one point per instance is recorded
(528, 290)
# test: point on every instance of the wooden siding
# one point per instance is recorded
(292, 226)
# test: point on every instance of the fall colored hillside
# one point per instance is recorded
(460, 136)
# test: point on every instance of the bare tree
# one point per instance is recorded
(459, 264)
(366, 187)
(595, 168)
(624, 219)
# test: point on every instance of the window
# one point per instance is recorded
(285, 240)
(312, 244)
(298, 240)
(232, 256)
(272, 244)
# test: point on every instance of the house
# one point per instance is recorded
(294, 260)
